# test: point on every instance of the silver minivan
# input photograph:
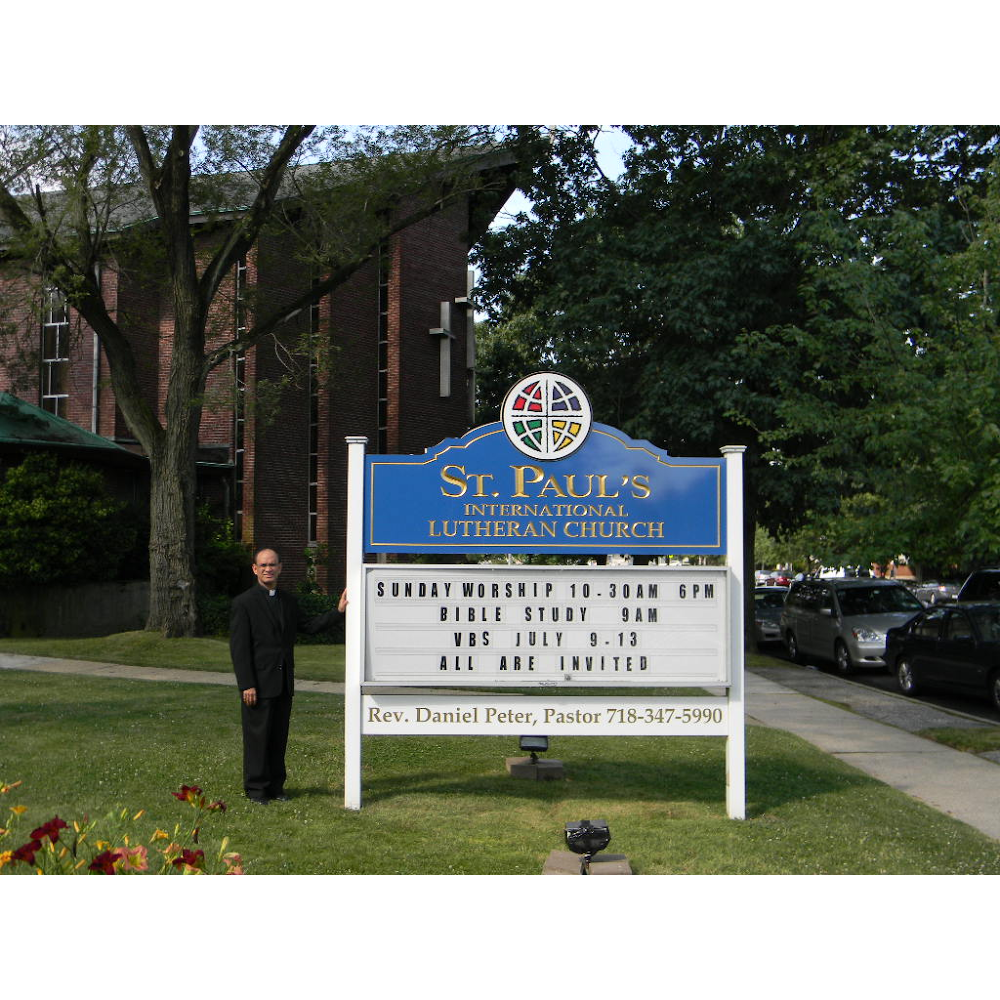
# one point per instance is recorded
(844, 619)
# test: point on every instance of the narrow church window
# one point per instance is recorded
(313, 490)
(239, 398)
(383, 351)
(55, 353)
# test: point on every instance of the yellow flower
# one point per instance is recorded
(160, 835)
(135, 859)
(5, 857)
(18, 810)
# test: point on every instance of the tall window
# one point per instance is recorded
(313, 492)
(55, 353)
(383, 351)
(239, 398)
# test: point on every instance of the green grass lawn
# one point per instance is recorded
(84, 745)
(968, 740)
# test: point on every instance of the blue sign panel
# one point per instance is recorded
(479, 493)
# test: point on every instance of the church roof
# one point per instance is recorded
(23, 425)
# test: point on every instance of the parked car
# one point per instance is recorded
(955, 647)
(981, 585)
(768, 603)
(844, 619)
(930, 594)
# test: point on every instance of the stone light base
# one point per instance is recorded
(568, 863)
(538, 770)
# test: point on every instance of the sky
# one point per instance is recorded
(610, 147)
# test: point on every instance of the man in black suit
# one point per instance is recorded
(262, 630)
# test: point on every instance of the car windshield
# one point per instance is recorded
(876, 600)
(770, 599)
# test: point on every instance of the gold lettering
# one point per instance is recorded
(480, 478)
(520, 478)
(454, 481)
(640, 487)
(551, 484)
(603, 492)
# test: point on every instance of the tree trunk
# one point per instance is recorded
(173, 608)
(172, 590)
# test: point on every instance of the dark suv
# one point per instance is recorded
(981, 585)
(844, 619)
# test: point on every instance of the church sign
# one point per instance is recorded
(545, 478)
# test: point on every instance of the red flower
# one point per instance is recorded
(190, 859)
(187, 793)
(104, 864)
(50, 830)
(218, 804)
(26, 852)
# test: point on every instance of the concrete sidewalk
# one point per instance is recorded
(963, 785)
(874, 732)
(51, 665)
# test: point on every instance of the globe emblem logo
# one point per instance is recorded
(546, 416)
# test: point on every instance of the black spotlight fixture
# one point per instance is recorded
(534, 745)
(587, 838)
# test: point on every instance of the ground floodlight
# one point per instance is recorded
(587, 838)
(535, 745)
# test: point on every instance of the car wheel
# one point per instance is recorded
(905, 679)
(842, 658)
(794, 653)
(995, 690)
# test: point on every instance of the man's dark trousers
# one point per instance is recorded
(265, 738)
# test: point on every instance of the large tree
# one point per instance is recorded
(746, 284)
(74, 199)
(895, 365)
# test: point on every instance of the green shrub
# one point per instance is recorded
(213, 613)
(60, 525)
(317, 604)
(222, 563)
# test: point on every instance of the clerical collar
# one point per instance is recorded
(271, 593)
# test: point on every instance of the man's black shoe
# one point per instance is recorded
(258, 801)
(280, 797)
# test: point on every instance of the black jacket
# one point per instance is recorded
(262, 633)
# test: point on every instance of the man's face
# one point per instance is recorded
(267, 569)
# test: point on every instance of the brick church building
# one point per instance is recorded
(401, 373)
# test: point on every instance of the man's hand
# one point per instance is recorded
(250, 697)
(342, 605)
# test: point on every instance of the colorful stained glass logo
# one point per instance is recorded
(546, 416)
